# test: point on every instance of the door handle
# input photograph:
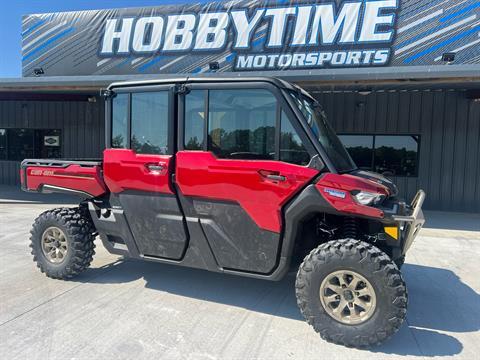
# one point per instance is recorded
(276, 177)
(155, 167)
(272, 175)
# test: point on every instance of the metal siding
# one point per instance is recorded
(81, 122)
(472, 161)
(448, 123)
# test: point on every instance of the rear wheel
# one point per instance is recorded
(62, 242)
(351, 293)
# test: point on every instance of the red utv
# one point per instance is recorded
(240, 176)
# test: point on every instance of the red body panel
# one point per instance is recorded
(123, 169)
(346, 183)
(201, 174)
(76, 177)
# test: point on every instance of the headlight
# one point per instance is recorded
(367, 198)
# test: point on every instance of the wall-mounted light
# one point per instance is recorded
(214, 66)
(448, 57)
(38, 71)
(364, 92)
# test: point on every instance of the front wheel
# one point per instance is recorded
(351, 293)
(400, 261)
(62, 242)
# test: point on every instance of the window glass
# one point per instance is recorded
(3, 144)
(194, 120)
(150, 122)
(291, 147)
(241, 124)
(360, 148)
(47, 144)
(119, 121)
(391, 155)
(321, 129)
(20, 144)
(396, 155)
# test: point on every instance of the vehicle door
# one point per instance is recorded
(138, 166)
(242, 156)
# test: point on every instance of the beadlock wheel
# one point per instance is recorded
(351, 293)
(62, 242)
(54, 245)
(348, 297)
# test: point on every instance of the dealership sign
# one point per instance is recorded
(244, 36)
(313, 25)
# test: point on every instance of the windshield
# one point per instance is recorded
(317, 120)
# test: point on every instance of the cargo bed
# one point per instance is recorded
(77, 177)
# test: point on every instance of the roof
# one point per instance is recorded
(197, 79)
(402, 74)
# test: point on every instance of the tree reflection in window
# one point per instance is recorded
(242, 124)
(119, 120)
(391, 155)
(194, 119)
(291, 146)
(396, 155)
(150, 122)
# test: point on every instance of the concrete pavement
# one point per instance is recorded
(129, 309)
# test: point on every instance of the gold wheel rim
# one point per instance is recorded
(348, 297)
(54, 245)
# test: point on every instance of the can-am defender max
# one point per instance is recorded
(240, 176)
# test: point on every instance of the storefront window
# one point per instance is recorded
(391, 155)
(47, 144)
(20, 144)
(3, 144)
(360, 148)
(396, 155)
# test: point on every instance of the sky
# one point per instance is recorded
(13, 10)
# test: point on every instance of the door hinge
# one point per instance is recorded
(182, 89)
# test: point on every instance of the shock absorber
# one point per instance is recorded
(350, 228)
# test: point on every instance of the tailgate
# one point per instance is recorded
(82, 178)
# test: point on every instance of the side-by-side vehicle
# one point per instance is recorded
(241, 176)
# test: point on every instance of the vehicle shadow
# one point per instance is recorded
(438, 300)
(14, 195)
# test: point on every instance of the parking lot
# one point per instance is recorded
(130, 309)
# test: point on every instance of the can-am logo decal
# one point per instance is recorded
(35, 172)
(356, 33)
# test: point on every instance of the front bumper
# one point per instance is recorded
(410, 225)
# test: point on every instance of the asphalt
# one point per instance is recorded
(125, 309)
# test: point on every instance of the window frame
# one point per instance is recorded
(171, 146)
(282, 105)
(374, 135)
